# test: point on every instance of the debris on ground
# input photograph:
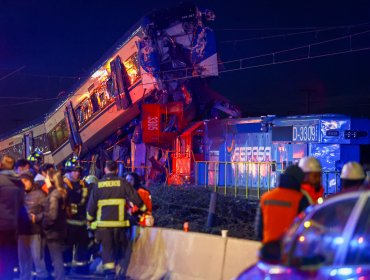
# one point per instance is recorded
(173, 206)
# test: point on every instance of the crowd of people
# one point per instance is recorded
(299, 187)
(54, 222)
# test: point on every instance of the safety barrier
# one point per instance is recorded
(160, 253)
(249, 179)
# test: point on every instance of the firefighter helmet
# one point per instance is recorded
(310, 164)
(36, 157)
(352, 171)
(91, 179)
(73, 164)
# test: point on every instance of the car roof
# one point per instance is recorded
(349, 193)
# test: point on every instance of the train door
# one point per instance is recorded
(72, 124)
(27, 144)
(120, 82)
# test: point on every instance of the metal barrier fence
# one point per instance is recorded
(248, 179)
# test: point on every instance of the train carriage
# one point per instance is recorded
(156, 61)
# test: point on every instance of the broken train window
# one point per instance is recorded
(132, 68)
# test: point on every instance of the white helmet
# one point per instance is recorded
(310, 164)
(352, 171)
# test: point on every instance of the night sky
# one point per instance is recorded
(51, 44)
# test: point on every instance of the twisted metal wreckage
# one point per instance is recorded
(138, 98)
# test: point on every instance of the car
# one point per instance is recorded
(327, 241)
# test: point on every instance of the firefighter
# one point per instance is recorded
(142, 219)
(77, 238)
(36, 159)
(106, 211)
(311, 185)
(352, 176)
(277, 210)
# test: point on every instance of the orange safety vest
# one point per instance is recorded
(45, 189)
(313, 195)
(279, 208)
(146, 198)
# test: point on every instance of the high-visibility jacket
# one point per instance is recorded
(77, 195)
(106, 206)
(146, 198)
(279, 208)
(313, 196)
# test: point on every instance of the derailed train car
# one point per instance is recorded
(25, 141)
(155, 63)
(152, 64)
(247, 155)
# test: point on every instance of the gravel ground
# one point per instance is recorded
(172, 206)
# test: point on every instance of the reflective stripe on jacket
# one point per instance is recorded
(314, 196)
(279, 208)
(77, 194)
(106, 206)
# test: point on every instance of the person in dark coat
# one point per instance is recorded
(54, 221)
(11, 201)
(138, 218)
(22, 166)
(30, 245)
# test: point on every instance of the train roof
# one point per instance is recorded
(120, 42)
(28, 126)
(160, 16)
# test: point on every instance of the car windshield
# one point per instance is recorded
(318, 238)
(359, 245)
(290, 234)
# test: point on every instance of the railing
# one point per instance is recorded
(248, 179)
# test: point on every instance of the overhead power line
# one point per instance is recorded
(29, 102)
(314, 30)
(277, 36)
(13, 72)
(294, 28)
(240, 64)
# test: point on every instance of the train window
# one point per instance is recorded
(58, 135)
(41, 143)
(84, 111)
(15, 151)
(132, 68)
(79, 114)
(94, 102)
(103, 96)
